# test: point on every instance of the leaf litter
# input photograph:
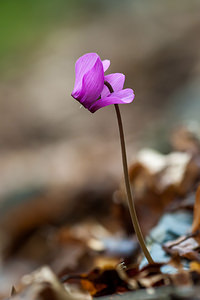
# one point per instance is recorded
(95, 258)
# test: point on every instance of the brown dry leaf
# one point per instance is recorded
(166, 170)
(182, 278)
(70, 204)
(43, 284)
(90, 245)
(112, 280)
(109, 280)
(67, 250)
(157, 180)
(186, 203)
(188, 246)
(101, 282)
(147, 277)
(78, 255)
(185, 246)
(196, 218)
(195, 266)
(186, 139)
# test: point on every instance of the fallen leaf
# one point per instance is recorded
(185, 246)
(100, 282)
(186, 138)
(43, 284)
(157, 180)
(195, 266)
(196, 218)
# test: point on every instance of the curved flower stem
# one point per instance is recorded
(127, 184)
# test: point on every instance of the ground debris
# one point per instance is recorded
(121, 279)
(84, 255)
(188, 246)
(43, 284)
(158, 181)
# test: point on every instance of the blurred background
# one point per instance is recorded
(51, 150)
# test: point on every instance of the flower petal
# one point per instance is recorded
(106, 64)
(83, 65)
(116, 80)
(120, 97)
(92, 85)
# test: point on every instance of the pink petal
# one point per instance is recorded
(120, 97)
(106, 64)
(83, 65)
(116, 80)
(92, 84)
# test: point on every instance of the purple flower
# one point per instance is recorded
(89, 88)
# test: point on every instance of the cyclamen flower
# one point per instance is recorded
(95, 90)
(89, 88)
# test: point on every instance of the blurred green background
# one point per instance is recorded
(24, 24)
